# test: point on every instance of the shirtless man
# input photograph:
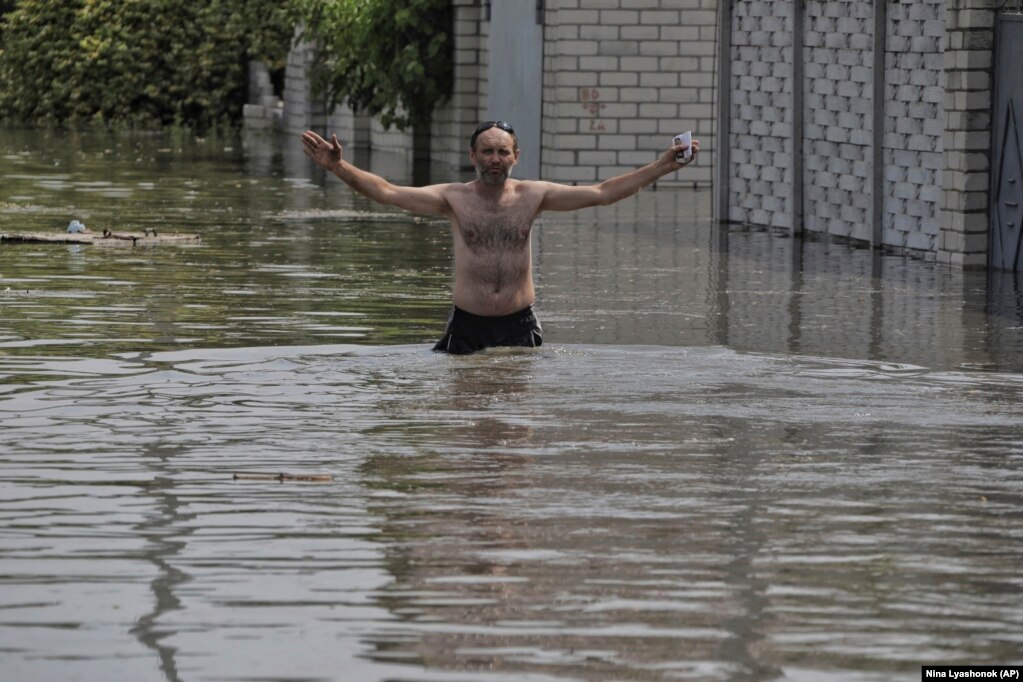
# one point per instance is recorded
(491, 220)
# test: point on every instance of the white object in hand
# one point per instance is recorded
(685, 138)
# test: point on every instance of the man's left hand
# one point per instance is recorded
(670, 155)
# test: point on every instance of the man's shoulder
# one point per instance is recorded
(455, 189)
(531, 187)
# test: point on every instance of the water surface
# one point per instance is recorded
(737, 457)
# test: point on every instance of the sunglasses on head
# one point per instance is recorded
(487, 125)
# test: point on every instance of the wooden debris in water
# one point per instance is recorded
(310, 478)
(106, 237)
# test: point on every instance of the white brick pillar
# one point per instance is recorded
(968, 41)
(454, 122)
(301, 110)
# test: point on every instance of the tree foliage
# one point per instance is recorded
(135, 61)
(386, 58)
(151, 62)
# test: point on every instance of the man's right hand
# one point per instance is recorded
(325, 154)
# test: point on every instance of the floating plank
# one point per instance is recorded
(147, 238)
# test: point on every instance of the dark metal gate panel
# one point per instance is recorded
(1007, 146)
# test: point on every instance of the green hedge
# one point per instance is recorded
(154, 62)
(140, 62)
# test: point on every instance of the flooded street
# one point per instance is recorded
(737, 456)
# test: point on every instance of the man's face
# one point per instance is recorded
(494, 155)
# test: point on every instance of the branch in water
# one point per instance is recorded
(314, 478)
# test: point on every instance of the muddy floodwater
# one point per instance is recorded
(737, 456)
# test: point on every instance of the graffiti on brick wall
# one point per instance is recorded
(590, 100)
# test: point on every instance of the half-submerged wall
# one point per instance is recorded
(866, 120)
(859, 119)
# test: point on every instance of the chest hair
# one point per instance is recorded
(502, 225)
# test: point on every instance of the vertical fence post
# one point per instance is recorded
(880, 47)
(722, 140)
(798, 30)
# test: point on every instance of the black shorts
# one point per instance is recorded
(468, 333)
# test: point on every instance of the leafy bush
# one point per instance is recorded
(387, 58)
(140, 62)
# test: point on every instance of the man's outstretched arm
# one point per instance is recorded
(568, 198)
(329, 156)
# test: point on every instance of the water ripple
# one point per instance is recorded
(575, 512)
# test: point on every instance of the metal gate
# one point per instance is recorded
(1006, 208)
(515, 75)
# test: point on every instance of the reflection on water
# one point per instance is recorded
(739, 457)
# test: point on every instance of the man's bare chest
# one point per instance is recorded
(496, 226)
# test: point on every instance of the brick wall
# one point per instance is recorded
(621, 78)
(914, 124)
(890, 144)
(838, 130)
